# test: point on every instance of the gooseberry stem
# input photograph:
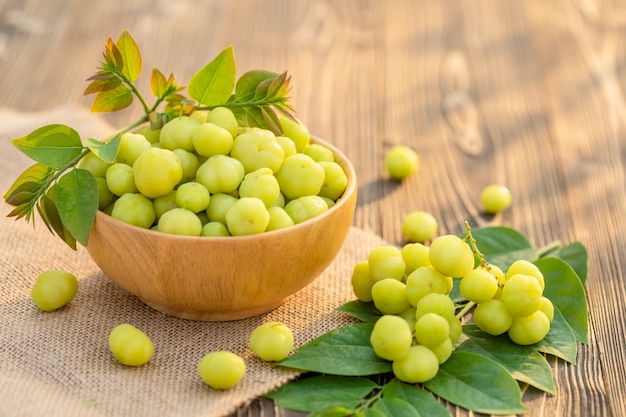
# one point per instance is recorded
(470, 305)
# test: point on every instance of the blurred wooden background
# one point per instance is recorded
(525, 93)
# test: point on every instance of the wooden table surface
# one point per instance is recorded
(525, 93)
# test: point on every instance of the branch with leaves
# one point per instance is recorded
(66, 196)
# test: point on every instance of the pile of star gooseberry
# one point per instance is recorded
(410, 286)
(204, 175)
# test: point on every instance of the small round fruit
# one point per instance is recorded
(401, 162)
(221, 369)
(220, 174)
(210, 139)
(53, 289)
(362, 281)
(495, 198)
(214, 229)
(319, 152)
(423, 281)
(419, 226)
(529, 330)
(391, 337)
(157, 172)
(419, 365)
(525, 267)
(247, 216)
(492, 317)
(547, 308)
(300, 175)
(435, 303)
(192, 196)
(189, 162)
(131, 146)
(223, 117)
(335, 180)
(260, 184)
(451, 256)
(443, 351)
(258, 148)
(105, 196)
(178, 132)
(522, 295)
(306, 207)
(218, 207)
(130, 346)
(271, 341)
(414, 255)
(120, 179)
(386, 262)
(389, 296)
(135, 209)
(279, 218)
(180, 221)
(478, 285)
(431, 330)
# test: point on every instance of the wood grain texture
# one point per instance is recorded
(526, 93)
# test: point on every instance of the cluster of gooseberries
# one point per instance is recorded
(410, 287)
(204, 175)
(419, 327)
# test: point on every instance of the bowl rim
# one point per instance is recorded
(351, 189)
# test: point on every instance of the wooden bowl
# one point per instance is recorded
(222, 278)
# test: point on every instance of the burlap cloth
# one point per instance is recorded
(58, 364)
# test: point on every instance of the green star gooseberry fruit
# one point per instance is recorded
(495, 198)
(221, 369)
(53, 289)
(130, 346)
(401, 162)
(271, 341)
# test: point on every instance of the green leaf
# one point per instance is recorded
(423, 401)
(248, 82)
(322, 392)
(35, 173)
(395, 407)
(560, 340)
(52, 145)
(575, 254)
(112, 100)
(131, 57)
(564, 288)
(77, 202)
(255, 117)
(366, 312)
(343, 351)
(105, 151)
(503, 245)
(523, 362)
(477, 383)
(214, 83)
(48, 210)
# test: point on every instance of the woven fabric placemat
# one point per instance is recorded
(58, 363)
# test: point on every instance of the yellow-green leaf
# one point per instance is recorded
(131, 56)
(112, 100)
(214, 83)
